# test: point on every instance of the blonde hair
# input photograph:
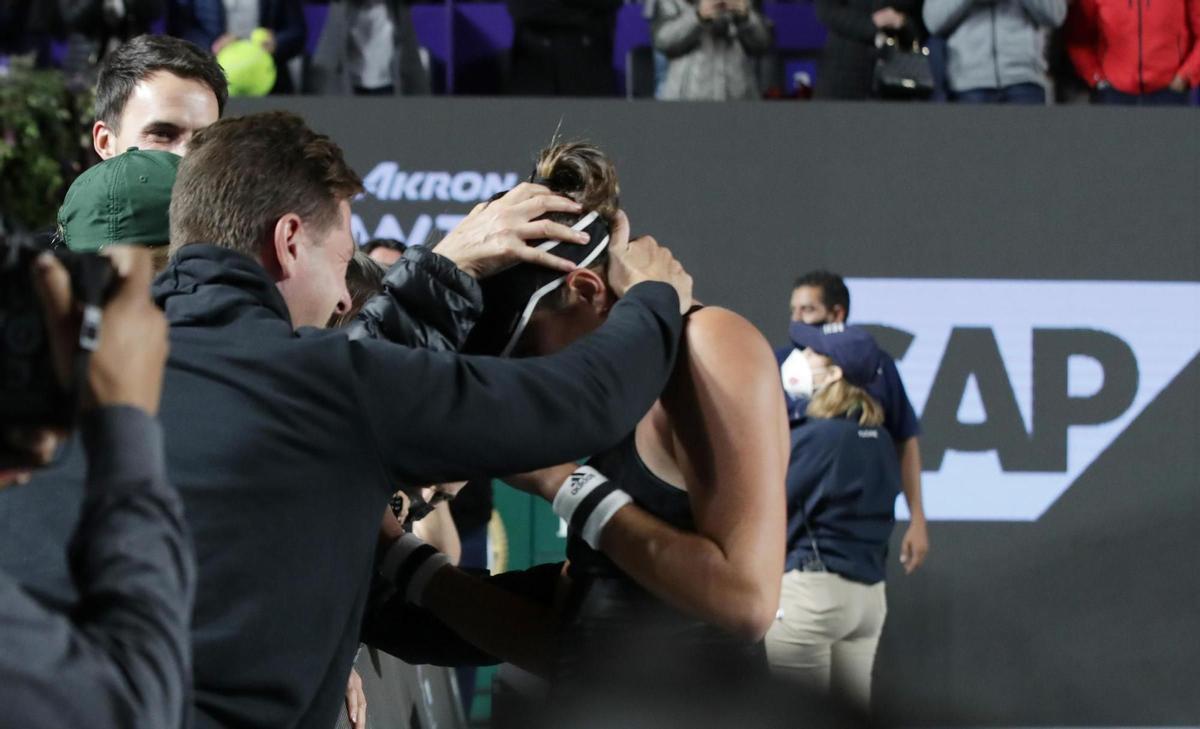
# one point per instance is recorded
(840, 398)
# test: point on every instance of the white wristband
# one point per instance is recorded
(398, 553)
(420, 579)
(586, 502)
(601, 515)
(410, 564)
(575, 489)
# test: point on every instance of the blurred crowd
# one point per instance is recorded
(969, 51)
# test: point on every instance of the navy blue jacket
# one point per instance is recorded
(843, 478)
(203, 21)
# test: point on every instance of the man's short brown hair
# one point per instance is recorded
(241, 175)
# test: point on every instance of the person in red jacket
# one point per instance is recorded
(1136, 52)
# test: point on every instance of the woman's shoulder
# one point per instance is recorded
(717, 321)
(716, 336)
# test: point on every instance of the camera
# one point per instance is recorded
(31, 394)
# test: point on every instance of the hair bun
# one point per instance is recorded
(583, 173)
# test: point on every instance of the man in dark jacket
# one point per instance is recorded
(286, 441)
(120, 657)
(563, 48)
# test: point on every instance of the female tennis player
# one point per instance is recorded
(675, 534)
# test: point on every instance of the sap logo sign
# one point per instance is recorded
(1021, 385)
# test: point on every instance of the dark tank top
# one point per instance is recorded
(617, 632)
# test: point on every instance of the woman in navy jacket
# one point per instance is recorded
(842, 482)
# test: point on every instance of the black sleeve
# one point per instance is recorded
(844, 20)
(122, 656)
(437, 416)
(427, 302)
(291, 30)
(416, 636)
(80, 15)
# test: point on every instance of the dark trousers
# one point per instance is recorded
(1164, 97)
(560, 62)
(1028, 93)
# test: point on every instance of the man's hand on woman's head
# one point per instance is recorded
(496, 235)
(632, 262)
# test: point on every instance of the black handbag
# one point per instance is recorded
(902, 71)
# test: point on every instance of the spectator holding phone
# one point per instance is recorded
(710, 46)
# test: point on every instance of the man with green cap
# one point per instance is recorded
(125, 199)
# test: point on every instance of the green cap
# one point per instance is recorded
(126, 199)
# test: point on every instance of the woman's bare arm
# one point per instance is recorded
(731, 445)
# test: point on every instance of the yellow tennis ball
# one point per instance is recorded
(260, 36)
(248, 67)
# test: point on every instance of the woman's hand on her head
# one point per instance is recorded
(632, 262)
(496, 235)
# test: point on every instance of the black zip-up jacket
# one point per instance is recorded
(286, 445)
(121, 656)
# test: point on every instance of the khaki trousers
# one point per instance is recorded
(826, 634)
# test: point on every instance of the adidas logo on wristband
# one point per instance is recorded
(586, 502)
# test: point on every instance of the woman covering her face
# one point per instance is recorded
(676, 533)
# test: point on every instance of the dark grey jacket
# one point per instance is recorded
(121, 656)
(328, 71)
(708, 61)
(994, 44)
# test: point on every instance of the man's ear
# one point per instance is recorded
(104, 140)
(837, 314)
(281, 256)
(589, 287)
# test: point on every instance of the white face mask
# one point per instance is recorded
(797, 376)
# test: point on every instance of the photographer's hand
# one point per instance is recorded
(496, 235)
(127, 366)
